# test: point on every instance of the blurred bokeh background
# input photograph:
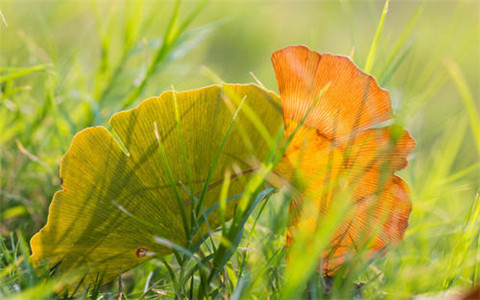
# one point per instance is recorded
(66, 65)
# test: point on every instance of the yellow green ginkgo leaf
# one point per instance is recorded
(116, 203)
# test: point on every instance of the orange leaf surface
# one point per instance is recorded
(329, 108)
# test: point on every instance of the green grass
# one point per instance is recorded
(68, 65)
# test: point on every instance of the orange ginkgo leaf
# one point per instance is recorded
(335, 151)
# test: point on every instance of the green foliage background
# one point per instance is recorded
(66, 65)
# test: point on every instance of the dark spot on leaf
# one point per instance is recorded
(61, 180)
(141, 252)
(322, 135)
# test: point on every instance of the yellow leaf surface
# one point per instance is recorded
(114, 206)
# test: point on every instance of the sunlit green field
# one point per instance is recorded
(68, 65)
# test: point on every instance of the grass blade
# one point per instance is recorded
(467, 98)
(374, 45)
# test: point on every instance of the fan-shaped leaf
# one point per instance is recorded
(115, 207)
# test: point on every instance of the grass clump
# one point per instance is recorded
(75, 64)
